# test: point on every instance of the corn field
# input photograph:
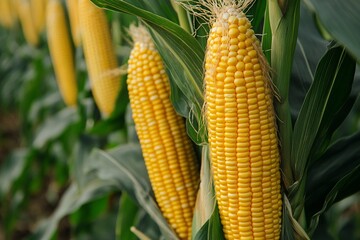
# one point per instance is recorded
(179, 119)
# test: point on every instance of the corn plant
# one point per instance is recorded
(234, 119)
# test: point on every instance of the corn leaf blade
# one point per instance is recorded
(106, 172)
(114, 166)
(71, 200)
(309, 50)
(342, 20)
(256, 13)
(334, 165)
(324, 99)
(57, 125)
(11, 169)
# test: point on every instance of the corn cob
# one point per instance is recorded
(61, 51)
(38, 8)
(167, 150)
(7, 13)
(72, 6)
(99, 55)
(3, 17)
(242, 133)
(27, 22)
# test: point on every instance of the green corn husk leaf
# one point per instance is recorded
(212, 229)
(177, 48)
(341, 20)
(333, 177)
(205, 200)
(291, 229)
(284, 21)
(206, 221)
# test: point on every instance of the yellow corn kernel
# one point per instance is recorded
(73, 10)
(168, 153)
(99, 55)
(61, 51)
(38, 8)
(241, 124)
(27, 22)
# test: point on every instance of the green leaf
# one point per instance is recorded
(322, 102)
(11, 170)
(56, 126)
(126, 218)
(114, 167)
(256, 13)
(340, 221)
(339, 160)
(147, 226)
(121, 168)
(309, 50)
(332, 196)
(40, 106)
(205, 200)
(73, 198)
(81, 153)
(291, 228)
(90, 212)
(326, 98)
(341, 19)
(161, 8)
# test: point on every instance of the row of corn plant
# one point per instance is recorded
(43, 82)
(266, 90)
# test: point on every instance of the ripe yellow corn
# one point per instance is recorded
(99, 55)
(73, 6)
(168, 153)
(7, 13)
(27, 22)
(242, 133)
(39, 13)
(61, 51)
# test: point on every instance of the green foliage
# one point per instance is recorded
(97, 162)
(126, 218)
(341, 21)
(283, 22)
(11, 170)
